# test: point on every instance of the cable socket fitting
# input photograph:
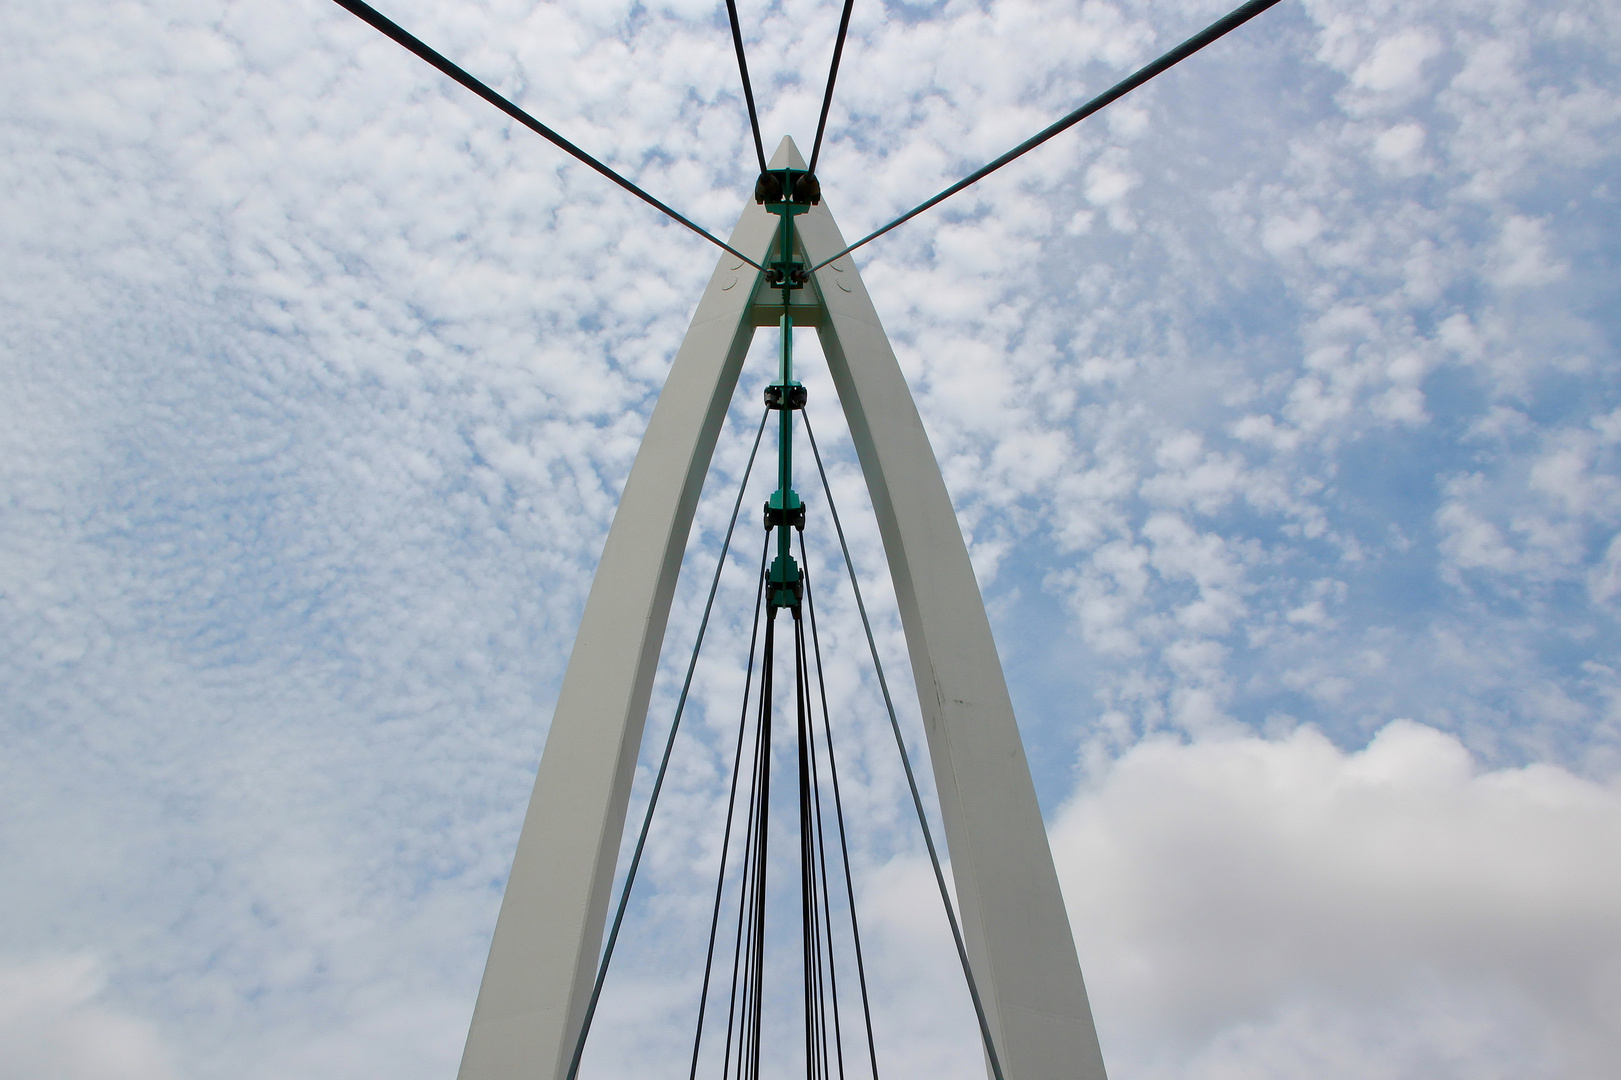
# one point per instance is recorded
(794, 187)
(807, 190)
(794, 399)
(768, 189)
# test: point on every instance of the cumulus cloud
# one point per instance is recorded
(1280, 907)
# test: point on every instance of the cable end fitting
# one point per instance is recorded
(807, 190)
(786, 275)
(794, 398)
(791, 186)
(768, 189)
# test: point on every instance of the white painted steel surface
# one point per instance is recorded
(549, 933)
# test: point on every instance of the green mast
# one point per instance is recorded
(787, 193)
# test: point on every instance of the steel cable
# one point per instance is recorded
(1215, 30)
(382, 23)
(820, 820)
(906, 763)
(754, 992)
(832, 74)
(838, 811)
(748, 89)
(731, 807)
(739, 1010)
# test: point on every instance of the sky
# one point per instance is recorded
(1279, 403)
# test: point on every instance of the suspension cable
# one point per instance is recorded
(731, 807)
(664, 765)
(748, 89)
(754, 985)
(820, 850)
(838, 809)
(748, 897)
(906, 762)
(810, 922)
(832, 74)
(378, 21)
(1215, 30)
(822, 958)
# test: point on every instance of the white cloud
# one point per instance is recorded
(1263, 908)
(1397, 62)
(1401, 146)
(1522, 255)
(53, 1025)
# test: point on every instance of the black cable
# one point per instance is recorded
(911, 779)
(832, 74)
(743, 1011)
(744, 894)
(378, 21)
(838, 811)
(1120, 89)
(825, 895)
(731, 807)
(664, 765)
(755, 996)
(809, 921)
(748, 90)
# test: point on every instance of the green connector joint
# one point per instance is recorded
(784, 586)
(792, 515)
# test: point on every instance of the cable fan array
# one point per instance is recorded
(823, 1017)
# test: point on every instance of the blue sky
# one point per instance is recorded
(1279, 403)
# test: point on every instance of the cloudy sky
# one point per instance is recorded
(1279, 402)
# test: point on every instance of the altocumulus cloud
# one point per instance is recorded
(1282, 398)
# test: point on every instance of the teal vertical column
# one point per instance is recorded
(786, 192)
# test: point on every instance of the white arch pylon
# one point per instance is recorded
(549, 934)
